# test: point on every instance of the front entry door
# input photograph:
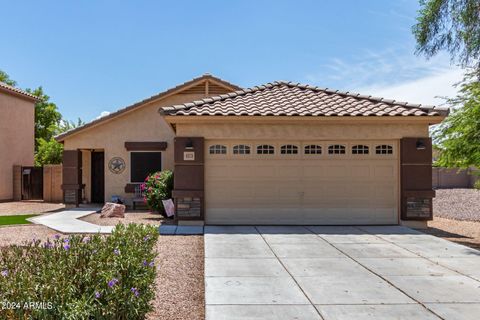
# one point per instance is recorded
(98, 177)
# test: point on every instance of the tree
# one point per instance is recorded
(452, 25)
(47, 117)
(5, 78)
(66, 125)
(458, 137)
(49, 152)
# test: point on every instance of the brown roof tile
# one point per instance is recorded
(18, 92)
(293, 99)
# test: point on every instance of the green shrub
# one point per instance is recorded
(157, 187)
(476, 185)
(77, 277)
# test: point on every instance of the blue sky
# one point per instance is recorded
(96, 56)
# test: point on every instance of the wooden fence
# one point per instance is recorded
(52, 182)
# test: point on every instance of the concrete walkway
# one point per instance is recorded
(67, 221)
(359, 273)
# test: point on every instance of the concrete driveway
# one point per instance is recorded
(383, 272)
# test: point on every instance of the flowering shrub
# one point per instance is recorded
(157, 187)
(97, 277)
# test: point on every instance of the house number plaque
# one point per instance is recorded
(189, 156)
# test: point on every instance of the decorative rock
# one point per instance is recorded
(113, 210)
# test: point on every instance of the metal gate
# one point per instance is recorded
(32, 183)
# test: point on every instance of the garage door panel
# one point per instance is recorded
(303, 189)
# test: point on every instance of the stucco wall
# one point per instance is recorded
(17, 131)
(142, 124)
(303, 130)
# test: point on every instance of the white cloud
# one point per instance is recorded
(428, 90)
(393, 74)
(103, 114)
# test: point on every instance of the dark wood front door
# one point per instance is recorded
(98, 177)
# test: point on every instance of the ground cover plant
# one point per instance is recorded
(16, 219)
(80, 277)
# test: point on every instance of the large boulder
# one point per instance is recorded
(113, 210)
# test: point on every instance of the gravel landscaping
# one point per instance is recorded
(180, 283)
(28, 207)
(463, 232)
(21, 234)
(457, 204)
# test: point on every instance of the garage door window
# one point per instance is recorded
(360, 149)
(217, 149)
(384, 149)
(241, 149)
(289, 149)
(336, 149)
(313, 149)
(143, 164)
(265, 149)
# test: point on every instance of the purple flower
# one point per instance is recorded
(116, 252)
(57, 236)
(145, 263)
(135, 291)
(146, 238)
(97, 294)
(112, 282)
(66, 240)
(86, 240)
(4, 273)
(94, 251)
(151, 264)
(48, 245)
(66, 247)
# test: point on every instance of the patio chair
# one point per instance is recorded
(138, 197)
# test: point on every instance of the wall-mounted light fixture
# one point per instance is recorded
(421, 145)
(189, 145)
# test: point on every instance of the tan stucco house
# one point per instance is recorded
(17, 135)
(280, 153)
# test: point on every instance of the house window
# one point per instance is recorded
(143, 164)
(241, 149)
(289, 149)
(313, 149)
(384, 149)
(265, 149)
(217, 149)
(360, 149)
(336, 149)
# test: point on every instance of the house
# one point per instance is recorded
(17, 136)
(280, 153)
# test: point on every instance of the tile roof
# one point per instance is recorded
(7, 88)
(292, 99)
(205, 76)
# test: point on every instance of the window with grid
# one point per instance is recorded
(241, 149)
(336, 149)
(289, 149)
(384, 149)
(265, 149)
(217, 149)
(360, 149)
(313, 149)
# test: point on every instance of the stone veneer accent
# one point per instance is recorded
(188, 207)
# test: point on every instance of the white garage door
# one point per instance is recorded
(303, 182)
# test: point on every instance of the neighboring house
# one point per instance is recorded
(281, 153)
(17, 134)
